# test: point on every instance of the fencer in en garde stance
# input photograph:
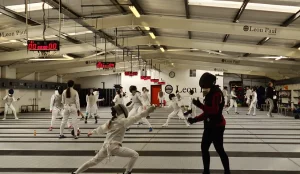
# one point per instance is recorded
(9, 99)
(56, 107)
(248, 96)
(70, 100)
(233, 102)
(161, 98)
(214, 122)
(253, 102)
(176, 110)
(225, 94)
(137, 105)
(115, 130)
(91, 105)
(146, 99)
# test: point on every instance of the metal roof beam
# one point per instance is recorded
(187, 14)
(241, 11)
(209, 45)
(196, 25)
(141, 11)
(286, 23)
(68, 12)
(291, 19)
(119, 7)
(17, 16)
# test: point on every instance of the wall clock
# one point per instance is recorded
(172, 74)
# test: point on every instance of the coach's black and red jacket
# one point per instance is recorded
(212, 109)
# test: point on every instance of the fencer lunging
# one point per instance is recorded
(115, 130)
(91, 107)
(9, 99)
(176, 110)
(56, 107)
(70, 100)
(253, 102)
(137, 105)
(233, 102)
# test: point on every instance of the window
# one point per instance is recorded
(192, 73)
(250, 6)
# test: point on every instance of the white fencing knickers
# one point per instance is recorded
(232, 103)
(55, 113)
(91, 110)
(135, 110)
(6, 107)
(176, 113)
(103, 153)
(69, 111)
(252, 105)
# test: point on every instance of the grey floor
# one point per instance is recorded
(255, 145)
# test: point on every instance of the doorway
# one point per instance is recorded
(154, 94)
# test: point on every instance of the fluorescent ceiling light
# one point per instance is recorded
(67, 57)
(152, 35)
(162, 49)
(31, 7)
(250, 6)
(79, 33)
(134, 11)
(147, 28)
(274, 57)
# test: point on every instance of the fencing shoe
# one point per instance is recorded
(61, 136)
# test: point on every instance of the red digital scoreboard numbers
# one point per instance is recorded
(43, 45)
(106, 65)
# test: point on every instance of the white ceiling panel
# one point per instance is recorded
(165, 7)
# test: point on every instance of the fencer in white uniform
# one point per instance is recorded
(225, 94)
(233, 102)
(70, 100)
(161, 98)
(179, 99)
(115, 130)
(9, 99)
(91, 105)
(118, 98)
(145, 99)
(176, 110)
(137, 105)
(192, 108)
(56, 107)
(248, 96)
(253, 102)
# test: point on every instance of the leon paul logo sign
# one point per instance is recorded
(268, 30)
(169, 89)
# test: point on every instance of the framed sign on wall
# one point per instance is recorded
(193, 73)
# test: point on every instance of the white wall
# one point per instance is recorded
(27, 95)
(95, 82)
(182, 79)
